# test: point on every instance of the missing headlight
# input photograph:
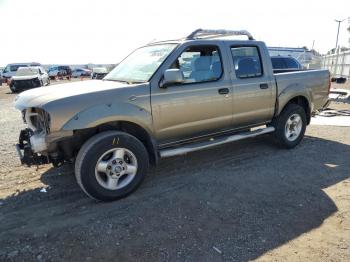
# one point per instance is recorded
(24, 116)
(37, 119)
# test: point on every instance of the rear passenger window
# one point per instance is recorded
(199, 64)
(246, 61)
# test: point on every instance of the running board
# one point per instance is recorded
(213, 142)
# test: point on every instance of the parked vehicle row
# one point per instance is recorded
(19, 78)
(165, 99)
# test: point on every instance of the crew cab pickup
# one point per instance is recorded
(165, 99)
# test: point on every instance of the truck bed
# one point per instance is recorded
(316, 82)
(279, 71)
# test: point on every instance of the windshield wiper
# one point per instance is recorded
(137, 82)
(116, 80)
(124, 81)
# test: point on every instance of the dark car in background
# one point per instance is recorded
(282, 64)
(62, 71)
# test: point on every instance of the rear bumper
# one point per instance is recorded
(25, 152)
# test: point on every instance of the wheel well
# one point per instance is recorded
(136, 131)
(71, 147)
(304, 103)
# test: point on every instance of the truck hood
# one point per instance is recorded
(38, 97)
(24, 77)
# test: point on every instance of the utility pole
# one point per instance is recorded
(338, 21)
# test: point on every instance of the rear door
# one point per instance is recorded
(253, 86)
(202, 104)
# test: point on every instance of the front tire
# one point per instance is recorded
(13, 89)
(290, 126)
(111, 165)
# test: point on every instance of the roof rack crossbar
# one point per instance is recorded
(208, 33)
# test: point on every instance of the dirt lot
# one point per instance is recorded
(243, 201)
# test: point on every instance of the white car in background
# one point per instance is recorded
(80, 72)
(28, 78)
(99, 72)
(11, 69)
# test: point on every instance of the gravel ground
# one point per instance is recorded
(244, 201)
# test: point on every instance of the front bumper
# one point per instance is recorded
(22, 85)
(25, 152)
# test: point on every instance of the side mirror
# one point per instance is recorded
(172, 77)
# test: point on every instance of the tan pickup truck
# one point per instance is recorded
(165, 99)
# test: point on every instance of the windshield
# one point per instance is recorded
(14, 68)
(141, 64)
(27, 71)
(52, 69)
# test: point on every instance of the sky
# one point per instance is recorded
(80, 32)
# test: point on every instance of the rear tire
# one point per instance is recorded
(290, 126)
(111, 165)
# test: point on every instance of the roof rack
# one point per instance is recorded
(208, 33)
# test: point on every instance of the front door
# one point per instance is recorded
(202, 104)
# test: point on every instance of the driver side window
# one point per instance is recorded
(199, 64)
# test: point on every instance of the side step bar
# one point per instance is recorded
(213, 142)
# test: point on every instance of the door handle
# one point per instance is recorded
(223, 91)
(264, 86)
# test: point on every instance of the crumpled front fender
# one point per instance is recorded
(106, 113)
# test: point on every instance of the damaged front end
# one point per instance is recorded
(25, 151)
(31, 145)
(37, 145)
(25, 84)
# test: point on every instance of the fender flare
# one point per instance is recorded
(292, 91)
(101, 114)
